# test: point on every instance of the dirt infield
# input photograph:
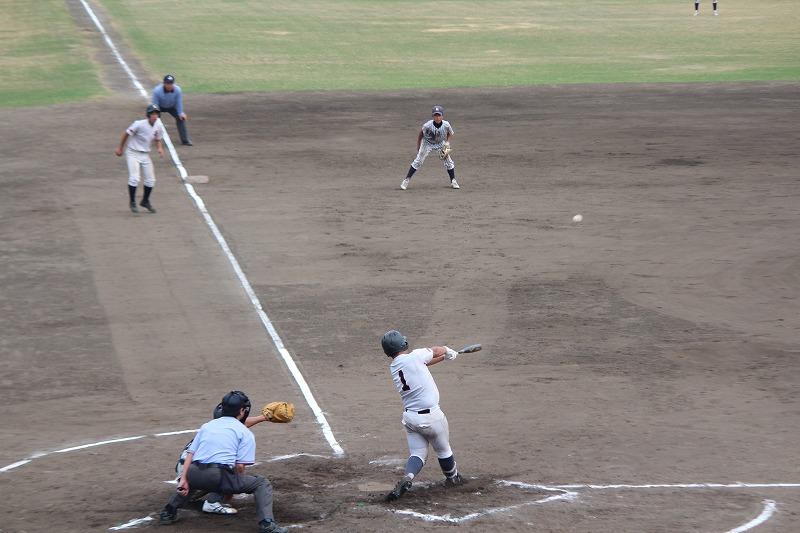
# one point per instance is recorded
(654, 343)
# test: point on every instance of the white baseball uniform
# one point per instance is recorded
(424, 421)
(141, 136)
(433, 138)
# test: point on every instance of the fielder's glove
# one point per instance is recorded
(278, 412)
(444, 151)
(451, 354)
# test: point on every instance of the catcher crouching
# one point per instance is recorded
(214, 461)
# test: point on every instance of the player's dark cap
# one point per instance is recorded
(169, 78)
(437, 110)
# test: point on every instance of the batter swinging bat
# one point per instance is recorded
(471, 348)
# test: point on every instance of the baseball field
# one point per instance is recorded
(640, 367)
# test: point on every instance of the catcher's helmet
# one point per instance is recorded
(233, 402)
(393, 342)
(152, 108)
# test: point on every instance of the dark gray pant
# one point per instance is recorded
(184, 135)
(209, 479)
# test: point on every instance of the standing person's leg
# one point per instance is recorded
(149, 183)
(181, 125)
(424, 150)
(134, 176)
(450, 165)
(441, 445)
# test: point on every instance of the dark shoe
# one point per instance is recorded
(147, 206)
(187, 143)
(134, 208)
(401, 488)
(168, 518)
(453, 481)
(272, 527)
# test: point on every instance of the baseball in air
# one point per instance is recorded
(577, 218)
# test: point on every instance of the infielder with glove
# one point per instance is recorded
(434, 136)
(216, 503)
(216, 459)
(139, 137)
(424, 421)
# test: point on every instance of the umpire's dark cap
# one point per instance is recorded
(169, 78)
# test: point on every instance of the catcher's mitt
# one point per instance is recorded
(279, 412)
(444, 151)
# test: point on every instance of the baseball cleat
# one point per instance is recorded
(272, 527)
(147, 206)
(218, 508)
(454, 183)
(134, 208)
(187, 143)
(405, 183)
(696, 13)
(715, 12)
(453, 481)
(401, 488)
(168, 518)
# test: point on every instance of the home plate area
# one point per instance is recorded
(330, 487)
(433, 502)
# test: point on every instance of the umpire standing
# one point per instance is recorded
(218, 453)
(168, 97)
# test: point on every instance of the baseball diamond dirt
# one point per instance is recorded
(654, 343)
(639, 369)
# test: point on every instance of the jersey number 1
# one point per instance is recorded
(403, 380)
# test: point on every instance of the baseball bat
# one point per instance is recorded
(471, 348)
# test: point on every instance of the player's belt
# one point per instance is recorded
(423, 412)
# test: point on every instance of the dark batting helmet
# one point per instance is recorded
(153, 108)
(233, 402)
(393, 342)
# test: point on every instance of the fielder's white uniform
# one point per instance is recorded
(420, 393)
(433, 138)
(141, 136)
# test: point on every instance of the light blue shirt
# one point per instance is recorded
(224, 440)
(165, 100)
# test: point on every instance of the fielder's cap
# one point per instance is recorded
(437, 110)
(169, 78)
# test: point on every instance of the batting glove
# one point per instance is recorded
(451, 354)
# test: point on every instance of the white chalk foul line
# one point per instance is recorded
(277, 341)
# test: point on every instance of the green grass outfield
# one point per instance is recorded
(262, 45)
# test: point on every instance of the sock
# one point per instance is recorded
(715, 6)
(132, 193)
(411, 171)
(452, 173)
(413, 466)
(147, 191)
(448, 466)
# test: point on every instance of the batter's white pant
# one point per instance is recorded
(424, 149)
(423, 430)
(140, 163)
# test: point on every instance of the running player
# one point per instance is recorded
(423, 419)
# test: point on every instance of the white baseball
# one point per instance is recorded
(577, 218)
